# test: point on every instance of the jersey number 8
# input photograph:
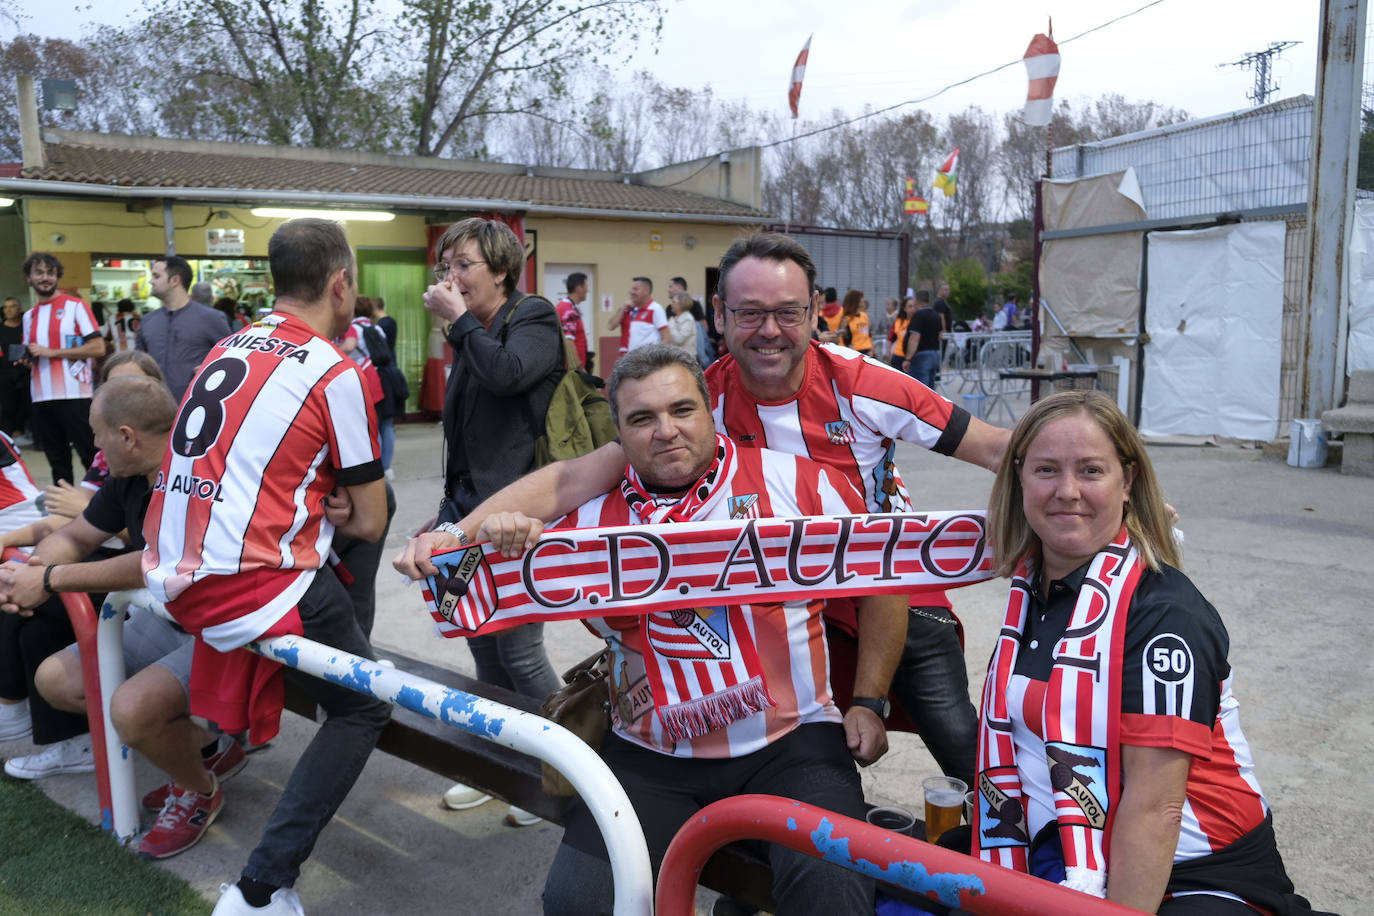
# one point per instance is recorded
(203, 411)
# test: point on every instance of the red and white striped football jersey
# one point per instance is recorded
(18, 492)
(275, 418)
(790, 638)
(63, 322)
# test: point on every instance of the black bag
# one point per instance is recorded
(583, 707)
(378, 350)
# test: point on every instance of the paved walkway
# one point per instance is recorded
(1281, 552)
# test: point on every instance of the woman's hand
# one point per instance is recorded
(66, 500)
(446, 300)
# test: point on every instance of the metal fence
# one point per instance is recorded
(1242, 161)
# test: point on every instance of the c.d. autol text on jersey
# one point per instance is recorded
(191, 485)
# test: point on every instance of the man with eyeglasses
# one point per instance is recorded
(780, 390)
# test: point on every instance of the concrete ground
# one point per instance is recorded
(1279, 551)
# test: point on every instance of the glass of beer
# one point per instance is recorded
(944, 804)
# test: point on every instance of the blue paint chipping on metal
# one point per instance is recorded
(459, 709)
(947, 886)
(356, 678)
(107, 610)
(413, 698)
(289, 656)
(124, 751)
(791, 823)
(106, 818)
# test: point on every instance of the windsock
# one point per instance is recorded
(798, 72)
(1042, 68)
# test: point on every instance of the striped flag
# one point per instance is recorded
(1042, 68)
(947, 177)
(798, 73)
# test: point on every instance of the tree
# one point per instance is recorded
(968, 287)
(484, 57)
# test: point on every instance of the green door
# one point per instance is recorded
(400, 277)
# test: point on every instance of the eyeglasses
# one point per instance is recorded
(789, 316)
(441, 270)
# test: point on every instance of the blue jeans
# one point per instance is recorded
(931, 683)
(335, 757)
(515, 659)
(386, 429)
(924, 365)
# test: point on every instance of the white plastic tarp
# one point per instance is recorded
(1214, 315)
(1360, 354)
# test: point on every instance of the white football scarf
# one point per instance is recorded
(1082, 716)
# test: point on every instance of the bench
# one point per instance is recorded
(1355, 423)
(515, 777)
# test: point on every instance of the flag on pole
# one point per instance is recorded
(916, 205)
(798, 72)
(947, 177)
(1042, 68)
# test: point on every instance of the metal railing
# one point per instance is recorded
(101, 643)
(953, 879)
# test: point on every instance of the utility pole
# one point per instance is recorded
(1259, 61)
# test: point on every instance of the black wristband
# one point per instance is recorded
(878, 705)
(47, 580)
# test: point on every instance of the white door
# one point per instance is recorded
(555, 287)
(1214, 315)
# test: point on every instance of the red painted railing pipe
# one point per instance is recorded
(83, 620)
(940, 874)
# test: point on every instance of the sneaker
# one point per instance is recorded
(70, 756)
(285, 902)
(390, 474)
(227, 760)
(183, 821)
(519, 817)
(462, 797)
(14, 721)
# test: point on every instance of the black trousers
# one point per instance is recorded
(24, 643)
(61, 426)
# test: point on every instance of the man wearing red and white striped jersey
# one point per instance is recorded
(62, 338)
(642, 321)
(720, 701)
(571, 318)
(274, 451)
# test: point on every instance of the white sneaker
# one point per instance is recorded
(462, 797)
(70, 756)
(14, 721)
(285, 902)
(390, 474)
(519, 817)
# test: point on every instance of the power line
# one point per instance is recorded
(939, 92)
(1265, 85)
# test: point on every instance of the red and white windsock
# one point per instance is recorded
(798, 73)
(1042, 68)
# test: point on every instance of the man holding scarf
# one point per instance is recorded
(738, 698)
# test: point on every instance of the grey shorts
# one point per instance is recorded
(151, 640)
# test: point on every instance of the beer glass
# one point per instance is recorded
(944, 804)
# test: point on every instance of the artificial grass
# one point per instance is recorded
(53, 863)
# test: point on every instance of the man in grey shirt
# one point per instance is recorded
(179, 334)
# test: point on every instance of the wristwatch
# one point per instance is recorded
(453, 529)
(879, 705)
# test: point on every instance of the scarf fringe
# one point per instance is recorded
(696, 717)
(1085, 880)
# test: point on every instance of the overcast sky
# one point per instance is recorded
(882, 52)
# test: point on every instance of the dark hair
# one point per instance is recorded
(42, 257)
(765, 246)
(498, 243)
(574, 280)
(304, 254)
(922, 295)
(645, 361)
(362, 308)
(645, 280)
(680, 281)
(697, 311)
(177, 266)
(124, 305)
(852, 300)
(830, 294)
(146, 364)
(229, 307)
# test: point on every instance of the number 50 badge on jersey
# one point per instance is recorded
(463, 592)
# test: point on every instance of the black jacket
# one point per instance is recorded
(498, 393)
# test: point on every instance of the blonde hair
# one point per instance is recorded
(1147, 519)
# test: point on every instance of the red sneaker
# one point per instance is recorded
(183, 821)
(225, 762)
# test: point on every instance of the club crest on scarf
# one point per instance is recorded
(1001, 816)
(744, 506)
(459, 572)
(840, 432)
(691, 633)
(1080, 773)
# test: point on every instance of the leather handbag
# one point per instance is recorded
(583, 707)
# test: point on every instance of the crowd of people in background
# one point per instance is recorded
(722, 410)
